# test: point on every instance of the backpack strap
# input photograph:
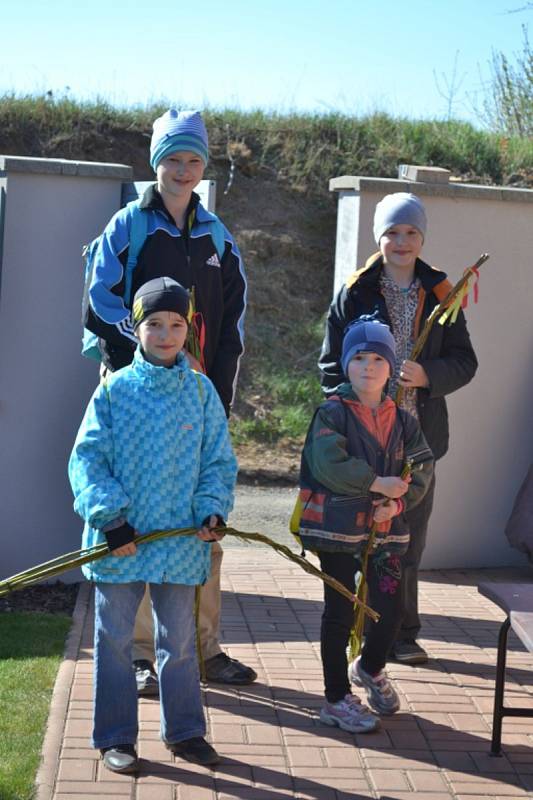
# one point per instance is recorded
(137, 238)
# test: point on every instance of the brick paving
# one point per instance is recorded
(269, 736)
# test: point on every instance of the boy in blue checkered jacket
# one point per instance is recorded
(153, 452)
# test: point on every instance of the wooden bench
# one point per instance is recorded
(516, 599)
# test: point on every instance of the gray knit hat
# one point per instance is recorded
(178, 130)
(370, 335)
(400, 208)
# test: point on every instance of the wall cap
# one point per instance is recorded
(62, 166)
(457, 191)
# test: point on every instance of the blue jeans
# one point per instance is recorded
(115, 690)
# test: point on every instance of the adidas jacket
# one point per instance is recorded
(191, 259)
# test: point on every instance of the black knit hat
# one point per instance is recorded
(160, 294)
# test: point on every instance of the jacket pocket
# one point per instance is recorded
(347, 515)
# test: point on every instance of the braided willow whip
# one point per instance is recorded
(446, 309)
(356, 633)
(77, 558)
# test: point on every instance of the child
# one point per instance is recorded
(404, 290)
(152, 453)
(354, 453)
(181, 244)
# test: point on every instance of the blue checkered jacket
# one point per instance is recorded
(153, 449)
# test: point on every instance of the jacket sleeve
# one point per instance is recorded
(104, 311)
(218, 465)
(328, 458)
(98, 497)
(418, 452)
(225, 367)
(457, 363)
(341, 312)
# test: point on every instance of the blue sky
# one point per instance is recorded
(319, 55)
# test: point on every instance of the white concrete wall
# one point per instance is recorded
(51, 209)
(491, 419)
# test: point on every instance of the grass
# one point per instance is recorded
(305, 149)
(31, 648)
(292, 399)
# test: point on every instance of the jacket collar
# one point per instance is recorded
(164, 379)
(369, 274)
(152, 201)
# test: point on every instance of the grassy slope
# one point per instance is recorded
(31, 647)
(279, 209)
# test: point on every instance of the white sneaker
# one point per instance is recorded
(350, 715)
(380, 693)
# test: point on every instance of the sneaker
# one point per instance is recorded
(196, 750)
(146, 678)
(381, 695)
(120, 758)
(350, 715)
(223, 669)
(407, 651)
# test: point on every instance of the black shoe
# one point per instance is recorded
(407, 651)
(196, 750)
(120, 758)
(223, 669)
(147, 682)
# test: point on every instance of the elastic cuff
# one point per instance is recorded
(220, 521)
(117, 537)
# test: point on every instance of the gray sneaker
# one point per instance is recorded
(350, 715)
(408, 651)
(381, 695)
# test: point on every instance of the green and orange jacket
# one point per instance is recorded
(347, 446)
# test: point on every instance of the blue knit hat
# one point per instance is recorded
(400, 208)
(370, 335)
(178, 130)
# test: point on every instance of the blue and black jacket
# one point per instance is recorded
(191, 258)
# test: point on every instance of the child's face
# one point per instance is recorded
(401, 245)
(368, 373)
(162, 336)
(179, 173)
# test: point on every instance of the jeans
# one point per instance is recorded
(208, 616)
(384, 577)
(115, 692)
(418, 520)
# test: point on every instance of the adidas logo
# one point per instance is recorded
(213, 261)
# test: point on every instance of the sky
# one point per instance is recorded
(415, 59)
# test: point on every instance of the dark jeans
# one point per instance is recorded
(418, 519)
(384, 596)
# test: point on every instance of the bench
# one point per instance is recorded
(516, 599)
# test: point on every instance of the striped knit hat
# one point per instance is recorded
(178, 130)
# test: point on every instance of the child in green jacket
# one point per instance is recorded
(354, 454)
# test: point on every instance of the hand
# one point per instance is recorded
(206, 534)
(390, 486)
(386, 509)
(412, 375)
(126, 550)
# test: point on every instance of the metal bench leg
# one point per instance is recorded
(498, 715)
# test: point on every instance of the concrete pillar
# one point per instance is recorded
(49, 208)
